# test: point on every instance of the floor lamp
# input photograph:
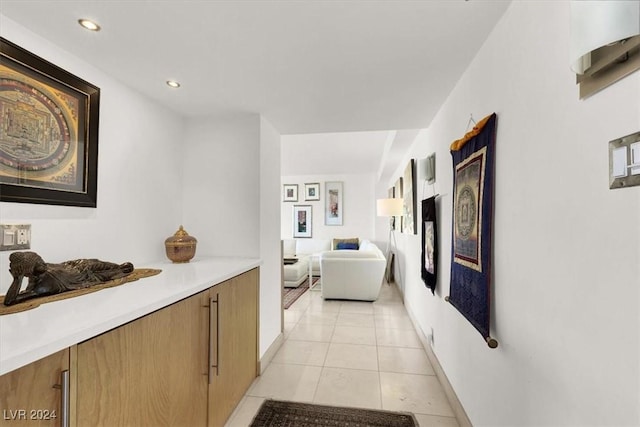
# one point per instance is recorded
(390, 208)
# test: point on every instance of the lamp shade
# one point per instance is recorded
(389, 207)
(595, 24)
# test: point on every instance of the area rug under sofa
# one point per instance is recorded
(291, 295)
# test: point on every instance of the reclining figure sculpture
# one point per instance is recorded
(49, 279)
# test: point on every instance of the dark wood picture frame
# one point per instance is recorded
(49, 145)
(397, 194)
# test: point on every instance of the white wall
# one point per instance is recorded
(139, 179)
(227, 197)
(231, 190)
(359, 206)
(566, 264)
(222, 184)
(271, 269)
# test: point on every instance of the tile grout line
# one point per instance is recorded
(381, 311)
(375, 328)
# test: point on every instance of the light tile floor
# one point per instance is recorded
(349, 353)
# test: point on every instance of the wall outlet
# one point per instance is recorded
(15, 237)
(22, 236)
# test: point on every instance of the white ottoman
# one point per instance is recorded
(295, 274)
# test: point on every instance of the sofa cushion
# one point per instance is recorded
(345, 245)
(366, 245)
(336, 242)
(288, 248)
(311, 246)
(348, 253)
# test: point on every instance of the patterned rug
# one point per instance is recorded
(275, 413)
(292, 294)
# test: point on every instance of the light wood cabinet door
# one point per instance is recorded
(32, 395)
(150, 372)
(234, 337)
(246, 331)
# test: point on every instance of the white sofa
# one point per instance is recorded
(295, 274)
(302, 248)
(353, 274)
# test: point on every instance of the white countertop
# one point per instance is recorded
(33, 334)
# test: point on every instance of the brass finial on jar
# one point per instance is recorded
(180, 247)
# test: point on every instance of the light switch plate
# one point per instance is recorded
(15, 237)
(624, 168)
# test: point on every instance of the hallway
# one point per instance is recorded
(349, 353)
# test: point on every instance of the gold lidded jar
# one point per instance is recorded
(180, 247)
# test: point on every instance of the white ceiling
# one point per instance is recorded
(307, 66)
(332, 153)
(377, 152)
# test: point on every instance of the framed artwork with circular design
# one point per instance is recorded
(49, 132)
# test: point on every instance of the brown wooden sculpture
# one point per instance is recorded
(49, 279)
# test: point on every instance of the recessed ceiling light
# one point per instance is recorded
(172, 83)
(89, 25)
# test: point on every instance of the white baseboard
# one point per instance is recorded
(271, 351)
(458, 409)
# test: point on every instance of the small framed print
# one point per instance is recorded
(312, 191)
(333, 203)
(302, 221)
(290, 193)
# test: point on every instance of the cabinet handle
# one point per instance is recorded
(214, 340)
(208, 370)
(64, 401)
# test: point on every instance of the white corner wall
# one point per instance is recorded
(359, 206)
(231, 193)
(221, 187)
(271, 269)
(138, 200)
(566, 261)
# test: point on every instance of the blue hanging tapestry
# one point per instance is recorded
(473, 172)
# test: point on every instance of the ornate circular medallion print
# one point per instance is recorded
(35, 134)
(465, 212)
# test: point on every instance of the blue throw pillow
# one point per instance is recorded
(345, 245)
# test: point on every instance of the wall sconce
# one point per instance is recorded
(605, 42)
(427, 169)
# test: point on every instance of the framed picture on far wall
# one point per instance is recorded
(392, 221)
(397, 193)
(334, 206)
(409, 222)
(302, 221)
(290, 193)
(312, 191)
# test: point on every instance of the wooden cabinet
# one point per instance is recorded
(234, 333)
(188, 364)
(32, 395)
(150, 372)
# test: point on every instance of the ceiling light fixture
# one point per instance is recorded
(89, 25)
(172, 83)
